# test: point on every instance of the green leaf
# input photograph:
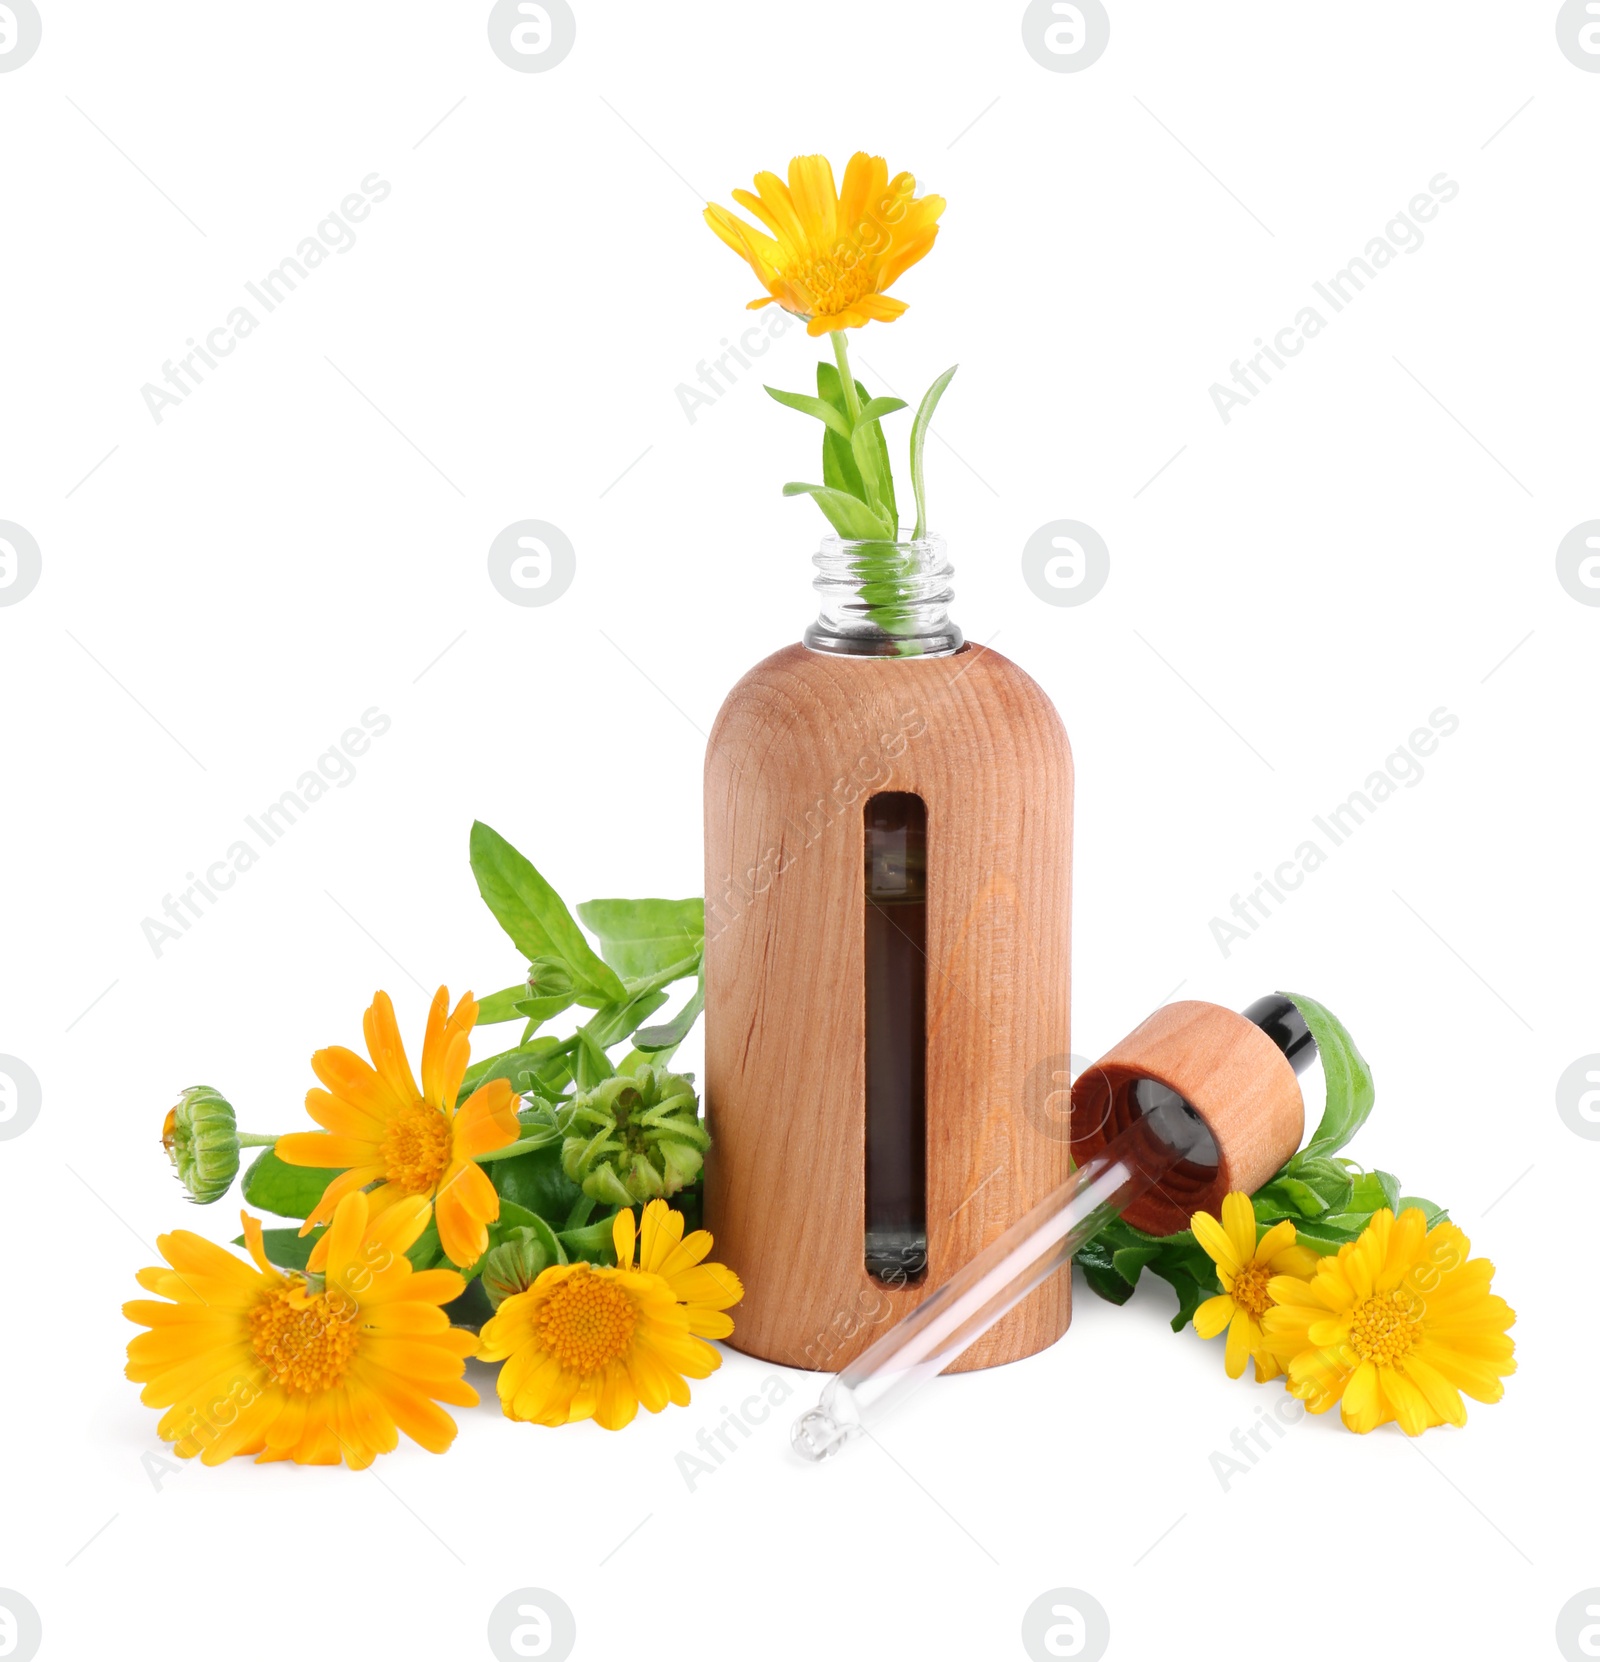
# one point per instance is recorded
(636, 1059)
(834, 419)
(1191, 1291)
(1328, 1180)
(1369, 1191)
(1348, 1079)
(641, 938)
(592, 1243)
(273, 1185)
(859, 467)
(1124, 1252)
(839, 470)
(670, 1034)
(919, 439)
(680, 971)
(852, 519)
(287, 1248)
(533, 914)
(501, 1006)
(1128, 1262)
(536, 1183)
(1431, 1210)
(539, 1010)
(1327, 1234)
(872, 457)
(513, 1216)
(870, 434)
(538, 1065)
(873, 408)
(472, 1309)
(615, 1022)
(425, 1251)
(1106, 1282)
(1287, 1197)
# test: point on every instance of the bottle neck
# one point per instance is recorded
(883, 599)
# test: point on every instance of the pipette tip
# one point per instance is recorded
(817, 1434)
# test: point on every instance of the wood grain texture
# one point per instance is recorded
(1229, 1072)
(799, 746)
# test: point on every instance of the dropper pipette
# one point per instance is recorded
(1165, 1134)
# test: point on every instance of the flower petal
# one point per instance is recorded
(880, 308)
(323, 1149)
(622, 1236)
(660, 1230)
(1239, 1220)
(487, 1120)
(466, 1204)
(1279, 1238)
(436, 1043)
(386, 1049)
(1214, 1315)
(1361, 1406)
(1239, 1343)
(1443, 1399)
(1216, 1242)
(815, 199)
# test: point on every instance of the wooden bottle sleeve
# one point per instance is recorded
(800, 745)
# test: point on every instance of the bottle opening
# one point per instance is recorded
(883, 599)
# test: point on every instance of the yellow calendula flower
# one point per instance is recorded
(828, 255)
(1399, 1326)
(383, 1130)
(1247, 1269)
(706, 1291)
(591, 1342)
(250, 1359)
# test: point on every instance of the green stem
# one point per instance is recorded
(847, 380)
(885, 616)
(876, 486)
(250, 1139)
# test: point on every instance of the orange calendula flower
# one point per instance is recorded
(1246, 1268)
(250, 1359)
(828, 255)
(382, 1129)
(1400, 1325)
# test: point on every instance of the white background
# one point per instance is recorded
(229, 589)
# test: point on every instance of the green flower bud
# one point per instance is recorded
(636, 1137)
(202, 1141)
(514, 1265)
(549, 978)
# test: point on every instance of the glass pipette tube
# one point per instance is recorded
(1166, 1133)
(1041, 1242)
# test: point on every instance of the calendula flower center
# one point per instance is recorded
(1250, 1289)
(416, 1149)
(1381, 1330)
(304, 1341)
(587, 1322)
(830, 284)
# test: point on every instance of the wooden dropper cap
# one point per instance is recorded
(1237, 1073)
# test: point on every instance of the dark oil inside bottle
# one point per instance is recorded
(895, 825)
